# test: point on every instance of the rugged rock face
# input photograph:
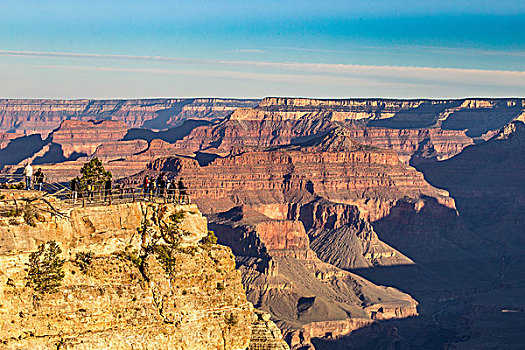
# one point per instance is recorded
(307, 297)
(265, 334)
(116, 304)
(342, 238)
(81, 137)
(332, 166)
(422, 128)
(43, 116)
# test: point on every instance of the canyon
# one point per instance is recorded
(354, 223)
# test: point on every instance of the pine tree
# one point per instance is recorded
(94, 173)
(45, 268)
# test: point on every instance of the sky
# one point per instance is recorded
(69, 49)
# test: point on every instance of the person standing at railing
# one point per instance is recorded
(28, 173)
(161, 184)
(145, 186)
(170, 191)
(183, 195)
(90, 190)
(107, 190)
(39, 179)
(152, 185)
(74, 189)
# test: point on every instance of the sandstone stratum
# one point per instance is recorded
(124, 299)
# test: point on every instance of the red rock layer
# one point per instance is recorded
(113, 150)
(84, 137)
(265, 177)
(422, 128)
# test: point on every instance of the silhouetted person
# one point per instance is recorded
(182, 192)
(161, 184)
(74, 189)
(107, 190)
(39, 179)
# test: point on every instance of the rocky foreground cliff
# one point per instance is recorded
(123, 297)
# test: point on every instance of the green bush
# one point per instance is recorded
(166, 255)
(132, 256)
(45, 273)
(210, 239)
(83, 260)
(93, 173)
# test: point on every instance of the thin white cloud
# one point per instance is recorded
(299, 74)
(269, 77)
(250, 50)
(284, 65)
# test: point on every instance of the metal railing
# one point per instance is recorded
(97, 195)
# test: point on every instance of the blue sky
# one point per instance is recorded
(374, 48)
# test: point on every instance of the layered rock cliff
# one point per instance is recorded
(416, 130)
(422, 128)
(307, 297)
(85, 137)
(124, 297)
(43, 116)
(332, 166)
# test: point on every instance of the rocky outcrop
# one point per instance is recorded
(43, 116)
(283, 276)
(329, 167)
(342, 238)
(119, 301)
(81, 137)
(265, 334)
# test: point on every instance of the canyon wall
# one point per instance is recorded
(307, 297)
(421, 128)
(118, 300)
(417, 130)
(43, 116)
